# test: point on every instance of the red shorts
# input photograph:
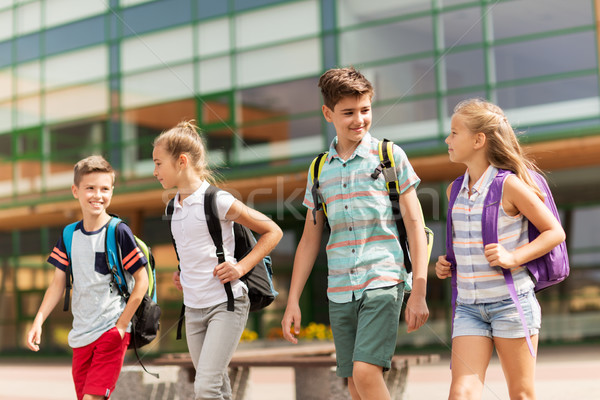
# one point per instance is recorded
(96, 367)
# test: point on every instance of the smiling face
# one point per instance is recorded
(351, 117)
(94, 193)
(461, 141)
(164, 167)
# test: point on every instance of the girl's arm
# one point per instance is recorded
(519, 198)
(416, 312)
(270, 235)
(51, 298)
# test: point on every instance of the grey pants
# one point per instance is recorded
(213, 334)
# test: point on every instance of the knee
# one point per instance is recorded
(204, 389)
(363, 374)
(463, 392)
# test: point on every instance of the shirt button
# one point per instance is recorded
(350, 228)
(346, 207)
(353, 250)
(344, 165)
(344, 185)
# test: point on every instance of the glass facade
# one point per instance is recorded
(80, 78)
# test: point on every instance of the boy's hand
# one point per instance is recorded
(177, 280)
(442, 268)
(416, 313)
(292, 316)
(227, 272)
(498, 256)
(34, 337)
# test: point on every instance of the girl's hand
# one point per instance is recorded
(34, 337)
(498, 256)
(227, 272)
(442, 268)
(177, 280)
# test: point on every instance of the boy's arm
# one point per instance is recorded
(416, 312)
(137, 294)
(304, 260)
(52, 296)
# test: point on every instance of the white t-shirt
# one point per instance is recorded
(197, 252)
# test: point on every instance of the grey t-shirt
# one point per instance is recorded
(95, 302)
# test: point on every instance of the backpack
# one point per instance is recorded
(146, 320)
(387, 167)
(259, 280)
(545, 271)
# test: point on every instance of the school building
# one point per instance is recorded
(106, 76)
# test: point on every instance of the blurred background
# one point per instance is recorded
(106, 76)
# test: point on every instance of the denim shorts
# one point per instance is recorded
(499, 319)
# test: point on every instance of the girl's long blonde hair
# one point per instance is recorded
(503, 149)
(185, 138)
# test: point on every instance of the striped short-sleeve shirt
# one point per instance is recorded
(363, 251)
(477, 281)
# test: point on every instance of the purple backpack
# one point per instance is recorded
(545, 271)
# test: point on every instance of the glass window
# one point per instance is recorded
(402, 79)
(216, 110)
(240, 5)
(279, 23)
(158, 86)
(214, 75)
(28, 112)
(352, 12)
(76, 67)
(6, 149)
(386, 41)
(28, 167)
(28, 78)
(77, 102)
(213, 37)
(447, 3)
(62, 11)
(84, 33)
(406, 121)
(155, 15)
(142, 125)
(280, 100)
(211, 8)
(5, 116)
(279, 63)
(29, 18)
(515, 18)
(6, 76)
(28, 47)
(6, 24)
(127, 3)
(540, 57)
(463, 69)
(548, 92)
(5, 54)
(157, 49)
(462, 27)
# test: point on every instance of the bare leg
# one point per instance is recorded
(518, 366)
(470, 359)
(368, 381)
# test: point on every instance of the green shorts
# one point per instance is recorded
(366, 329)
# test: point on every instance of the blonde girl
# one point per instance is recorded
(485, 316)
(212, 332)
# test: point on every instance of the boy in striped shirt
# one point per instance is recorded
(366, 273)
(101, 318)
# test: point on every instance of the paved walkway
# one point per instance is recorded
(567, 372)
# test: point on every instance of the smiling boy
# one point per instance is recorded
(365, 261)
(101, 318)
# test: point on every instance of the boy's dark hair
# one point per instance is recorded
(91, 164)
(338, 83)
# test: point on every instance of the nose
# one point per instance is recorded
(447, 139)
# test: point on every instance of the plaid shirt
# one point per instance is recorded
(363, 251)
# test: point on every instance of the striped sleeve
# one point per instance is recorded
(133, 257)
(59, 257)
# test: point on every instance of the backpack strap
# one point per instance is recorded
(169, 216)
(214, 228)
(316, 166)
(387, 166)
(114, 258)
(68, 240)
(489, 231)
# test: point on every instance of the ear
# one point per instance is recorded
(479, 140)
(182, 160)
(75, 191)
(327, 112)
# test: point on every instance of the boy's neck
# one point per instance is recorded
(345, 148)
(92, 223)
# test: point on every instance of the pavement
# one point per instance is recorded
(563, 372)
